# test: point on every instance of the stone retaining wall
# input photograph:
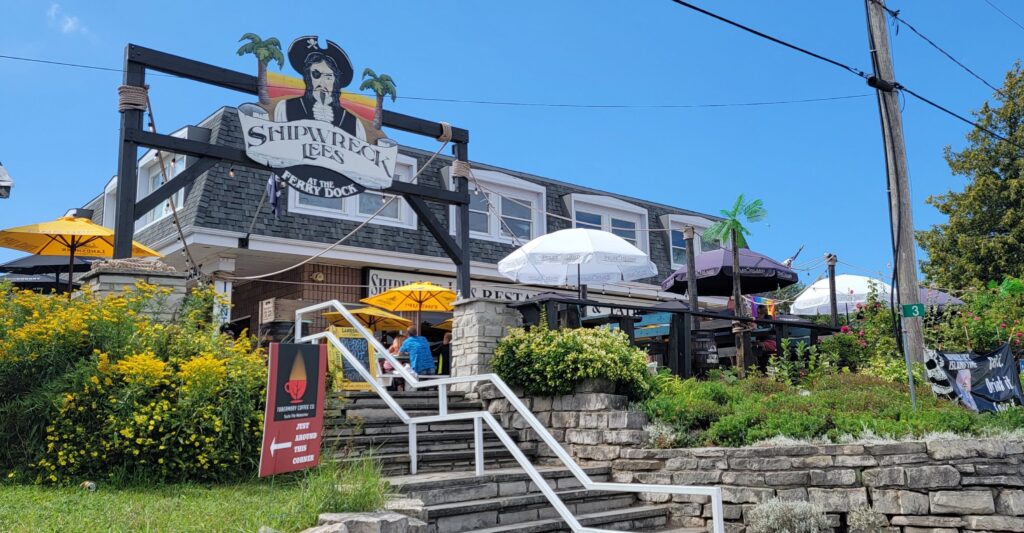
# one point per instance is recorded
(941, 486)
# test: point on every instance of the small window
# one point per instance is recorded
(505, 209)
(676, 236)
(588, 220)
(625, 229)
(479, 215)
(370, 202)
(610, 214)
(678, 248)
(517, 216)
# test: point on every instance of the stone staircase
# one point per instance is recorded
(454, 499)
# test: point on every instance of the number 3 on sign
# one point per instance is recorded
(913, 310)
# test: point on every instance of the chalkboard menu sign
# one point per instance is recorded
(349, 377)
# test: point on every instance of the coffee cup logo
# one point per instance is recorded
(296, 384)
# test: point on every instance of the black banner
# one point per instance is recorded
(982, 382)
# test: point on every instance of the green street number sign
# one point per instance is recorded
(913, 310)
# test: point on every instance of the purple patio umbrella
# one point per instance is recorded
(758, 273)
(933, 297)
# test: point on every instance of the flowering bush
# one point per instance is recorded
(990, 317)
(95, 388)
(545, 361)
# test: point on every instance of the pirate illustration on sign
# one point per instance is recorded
(325, 72)
(319, 140)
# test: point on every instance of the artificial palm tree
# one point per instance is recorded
(731, 229)
(265, 52)
(382, 86)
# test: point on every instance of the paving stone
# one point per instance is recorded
(774, 463)
(944, 450)
(792, 495)
(833, 477)
(838, 500)
(855, 460)
(881, 477)
(962, 502)
(1010, 502)
(932, 477)
(928, 521)
(796, 477)
(995, 523)
(899, 502)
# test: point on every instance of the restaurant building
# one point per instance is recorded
(229, 239)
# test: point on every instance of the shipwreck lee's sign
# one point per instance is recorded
(317, 138)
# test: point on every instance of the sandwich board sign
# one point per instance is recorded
(294, 418)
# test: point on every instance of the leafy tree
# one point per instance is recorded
(731, 229)
(265, 52)
(382, 86)
(983, 239)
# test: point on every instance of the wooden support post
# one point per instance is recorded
(462, 271)
(830, 260)
(127, 166)
(687, 324)
(900, 212)
(691, 272)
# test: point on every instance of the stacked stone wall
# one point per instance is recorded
(940, 486)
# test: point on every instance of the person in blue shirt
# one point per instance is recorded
(418, 351)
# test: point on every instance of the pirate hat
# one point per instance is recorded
(303, 46)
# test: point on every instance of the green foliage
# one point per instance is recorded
(893, 370)
(95, 388)
(990, 316)
(265, 51)
(983, 238)
(544, 361)
(808, 362)
(826, 406)
(732, 223)
(382, 85)
(775, 516)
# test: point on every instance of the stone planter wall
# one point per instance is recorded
(477, 325)
(114, 276)
(943, 486)
(594, 427)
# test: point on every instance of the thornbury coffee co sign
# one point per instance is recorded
(321, 141)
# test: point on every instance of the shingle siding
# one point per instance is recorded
(219, 201)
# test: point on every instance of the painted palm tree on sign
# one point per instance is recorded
(382, 86)
(731, 229)
(265, 52)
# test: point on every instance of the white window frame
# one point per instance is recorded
(609, 207)
(678, 223)
(149, 173)
(110, 203)
(504, 187)
(405, 169)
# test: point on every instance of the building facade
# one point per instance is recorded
(230, 239)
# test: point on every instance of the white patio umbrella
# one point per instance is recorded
(578, 257)
(850, 291)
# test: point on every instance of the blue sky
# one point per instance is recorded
(818, 166)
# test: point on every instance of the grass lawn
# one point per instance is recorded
(289, 504)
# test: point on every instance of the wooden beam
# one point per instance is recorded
(436, 228)
(191, 69)
(168, 189)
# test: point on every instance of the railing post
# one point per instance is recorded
(412, 448)
(442, 400)
(478, 445)
(717, 512)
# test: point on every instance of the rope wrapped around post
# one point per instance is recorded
(462, 169)
(132, 97)
(446, 132)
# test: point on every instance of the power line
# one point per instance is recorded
(1003, 13)
(896, 15)
(506, 103)
(776, 40)
(881, 85)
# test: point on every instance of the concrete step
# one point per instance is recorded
(424, 393)
(634, 518)
(406, 403)
(357, 427)
(453, 487)
(495, 457)
(508, 510)
(394, 443)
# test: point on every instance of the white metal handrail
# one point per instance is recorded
(478, 418)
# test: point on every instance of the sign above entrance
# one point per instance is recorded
(323, 143)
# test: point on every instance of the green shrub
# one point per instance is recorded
(93, 388)
(546, 362)
(775, 516)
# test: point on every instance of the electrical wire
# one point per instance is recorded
(1003, 13)
(507, 103)
(896, 16)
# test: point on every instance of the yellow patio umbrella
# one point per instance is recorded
(67, 236)
(446, 325)
(372, 318)
(418, 297)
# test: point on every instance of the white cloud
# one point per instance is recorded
(64, 22)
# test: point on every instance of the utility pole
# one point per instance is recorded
(830, 260)
(901, 216)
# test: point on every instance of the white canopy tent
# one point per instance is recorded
(850, 291)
